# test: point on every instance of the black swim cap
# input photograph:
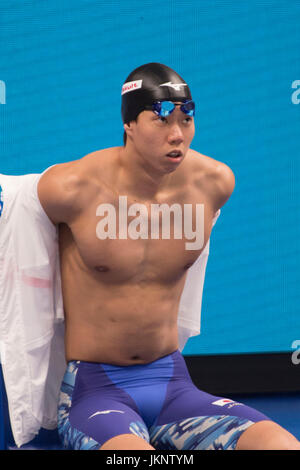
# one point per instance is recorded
(148, 83)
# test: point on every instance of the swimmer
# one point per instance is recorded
(127, 385)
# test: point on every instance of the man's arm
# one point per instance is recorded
(223, 185)
(58, 190)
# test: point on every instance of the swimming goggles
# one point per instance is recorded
(165, 108)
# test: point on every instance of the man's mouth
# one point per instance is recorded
(175, 154)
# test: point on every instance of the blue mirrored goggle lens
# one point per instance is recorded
(165, 108)
(188, 108)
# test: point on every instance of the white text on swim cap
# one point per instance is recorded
(131, 86)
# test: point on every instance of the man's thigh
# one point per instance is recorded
(92, 413)
(194, 419)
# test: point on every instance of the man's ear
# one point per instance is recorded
(128, 128)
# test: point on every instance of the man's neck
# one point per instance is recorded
(139, 179)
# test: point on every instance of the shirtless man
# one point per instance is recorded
(126, 381)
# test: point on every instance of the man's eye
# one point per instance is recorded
(162, 119)
(188, 119)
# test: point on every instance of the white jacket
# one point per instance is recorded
(31, 307)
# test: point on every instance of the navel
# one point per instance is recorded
(102, 269)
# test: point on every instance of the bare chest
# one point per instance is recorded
(124, 239)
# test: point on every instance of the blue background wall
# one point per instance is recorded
(63, 64)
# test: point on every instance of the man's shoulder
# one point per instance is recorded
(74, 174)
(214, 176)
(64, 188)
(207, 165)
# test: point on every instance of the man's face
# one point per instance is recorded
(154, 137)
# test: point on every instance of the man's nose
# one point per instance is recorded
(175, 135)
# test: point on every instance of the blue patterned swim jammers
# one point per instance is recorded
(157, 402)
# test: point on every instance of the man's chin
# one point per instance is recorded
(173, 163)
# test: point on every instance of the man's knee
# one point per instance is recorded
(267, 435)
(126, 442)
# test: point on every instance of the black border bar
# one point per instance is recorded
(244, 373)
